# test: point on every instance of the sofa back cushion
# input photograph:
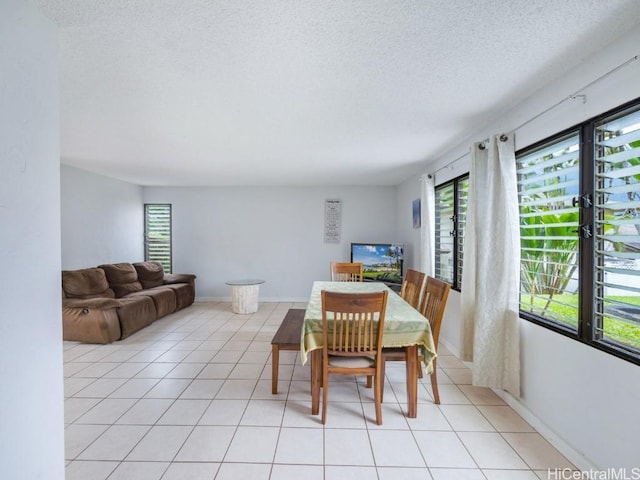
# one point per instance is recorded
(122, 278)
(86, 283)
(150, 274)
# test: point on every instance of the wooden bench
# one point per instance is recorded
(286, 338)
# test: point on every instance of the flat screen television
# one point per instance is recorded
(382, 262)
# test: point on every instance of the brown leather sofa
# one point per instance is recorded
(113, 301)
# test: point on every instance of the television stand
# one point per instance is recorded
(396, 287)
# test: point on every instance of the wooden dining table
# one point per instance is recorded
(404, 327)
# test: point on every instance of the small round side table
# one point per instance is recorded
(244, 295)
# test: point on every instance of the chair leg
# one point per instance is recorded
(316, 380)
(325, 394)
(377, 395)
(275, 361)
(383, 364)
(369, 381)
(434, 384)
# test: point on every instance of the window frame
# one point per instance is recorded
(586, 248)
(457, 253)
(147, 258)
(533, 317)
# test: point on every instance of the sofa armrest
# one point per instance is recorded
(97, 303)
(91, 321)
(178, 278)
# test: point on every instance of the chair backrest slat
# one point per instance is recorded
(433, 304)
(412, 287)
(357, 322)
(346, 272)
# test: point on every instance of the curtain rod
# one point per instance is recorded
(573, 96)
(503, 138)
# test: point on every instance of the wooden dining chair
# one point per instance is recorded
(346, 272)
(434, 301)
(411, 289)
(352, 327)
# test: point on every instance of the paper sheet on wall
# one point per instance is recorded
(332, 220)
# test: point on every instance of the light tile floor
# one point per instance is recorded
(189, 397)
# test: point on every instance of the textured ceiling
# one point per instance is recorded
(287, 92)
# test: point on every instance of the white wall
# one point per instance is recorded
(407, 193)
(584, 400)
(31, 397)
(102, 220)
(272, 233)
(584, 397)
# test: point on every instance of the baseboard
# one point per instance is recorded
(260, 300)
(454, 349)
(212, 299)
(580, 461)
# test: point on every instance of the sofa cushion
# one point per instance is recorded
(164, 299)
(86, 283)
(150, 274)
(135, 313)
(122, 278)
(185, 294)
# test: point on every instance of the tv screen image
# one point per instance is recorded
(381, 262)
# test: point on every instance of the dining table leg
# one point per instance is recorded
(411, 353)
(316, 380)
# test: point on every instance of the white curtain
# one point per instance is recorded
(428, 225)
(491, 275)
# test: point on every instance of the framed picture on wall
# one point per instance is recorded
(416, 213)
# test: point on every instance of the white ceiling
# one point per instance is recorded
(302, 92)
